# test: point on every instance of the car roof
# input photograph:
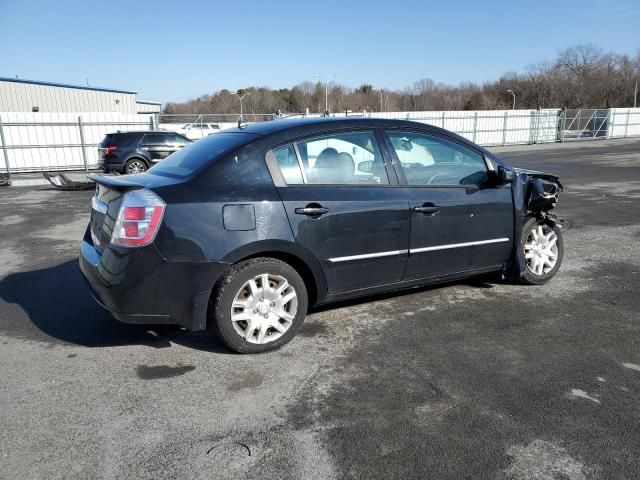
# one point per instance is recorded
(283, 129)
(270, 127)
(144, 132)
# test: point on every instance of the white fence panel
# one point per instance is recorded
(52, 141)
(490, 127)
(624, 122)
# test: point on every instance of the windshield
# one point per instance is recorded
(186, 161)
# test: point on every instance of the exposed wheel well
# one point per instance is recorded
(299, 265)
(137, 157)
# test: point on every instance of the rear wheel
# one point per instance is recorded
(135, 165)
(259, 305)
(543, 249)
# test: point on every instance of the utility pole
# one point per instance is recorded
(635, 95)
(513, 105)
(326, 91)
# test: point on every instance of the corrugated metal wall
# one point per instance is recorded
(23, 97)
(148, 107)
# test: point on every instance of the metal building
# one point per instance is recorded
(18, 95)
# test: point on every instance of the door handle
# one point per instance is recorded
(312, 211)
(427, 210)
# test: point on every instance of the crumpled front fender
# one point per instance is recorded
(534, 195)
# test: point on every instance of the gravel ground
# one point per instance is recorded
(468, 380)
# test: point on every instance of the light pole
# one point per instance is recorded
(326, 91)
(241, 98)
(513, 105)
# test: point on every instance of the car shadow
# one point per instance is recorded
(56, 300)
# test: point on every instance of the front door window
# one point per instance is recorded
(431, 160)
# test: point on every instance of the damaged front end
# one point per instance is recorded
(535, 194)
(543, 195)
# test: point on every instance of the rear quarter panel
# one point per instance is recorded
(194, 228)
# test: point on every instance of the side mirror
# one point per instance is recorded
(497, 173)
(505, 175)
(366, 166)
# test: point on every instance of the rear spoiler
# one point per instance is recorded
(116, 182)
(130, 182)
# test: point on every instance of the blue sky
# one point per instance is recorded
(170, 50)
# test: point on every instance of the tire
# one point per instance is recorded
(263, 320)
(539, 267)
(135, 165)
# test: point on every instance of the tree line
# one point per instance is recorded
(582, 76)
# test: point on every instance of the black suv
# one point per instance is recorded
(241, 231)
(136, 152)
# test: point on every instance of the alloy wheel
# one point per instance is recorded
(136, 167)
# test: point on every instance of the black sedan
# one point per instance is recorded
(240, 232)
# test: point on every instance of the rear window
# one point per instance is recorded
(187, 160)
(118, 139)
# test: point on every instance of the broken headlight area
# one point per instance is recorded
(543, 194)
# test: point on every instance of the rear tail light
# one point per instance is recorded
(109, 150)
(139, 219)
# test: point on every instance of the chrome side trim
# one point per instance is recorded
(458, 245)
(415, 250)
(368, 255)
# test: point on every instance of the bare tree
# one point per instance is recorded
(582, 76)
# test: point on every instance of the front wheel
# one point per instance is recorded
(543, 248)
(259, 305)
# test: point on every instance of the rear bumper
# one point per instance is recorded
(113, 167)
(111, 163)
(139, 287)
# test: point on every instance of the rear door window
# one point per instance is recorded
(338, 159)
(154, 139)
(289, 166)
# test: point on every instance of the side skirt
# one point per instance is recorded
(409, 284)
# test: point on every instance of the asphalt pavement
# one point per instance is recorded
(476, 379)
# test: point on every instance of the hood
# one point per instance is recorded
(536, 174)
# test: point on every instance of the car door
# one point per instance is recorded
(345, 206)
(460, 219)
(155, 146)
